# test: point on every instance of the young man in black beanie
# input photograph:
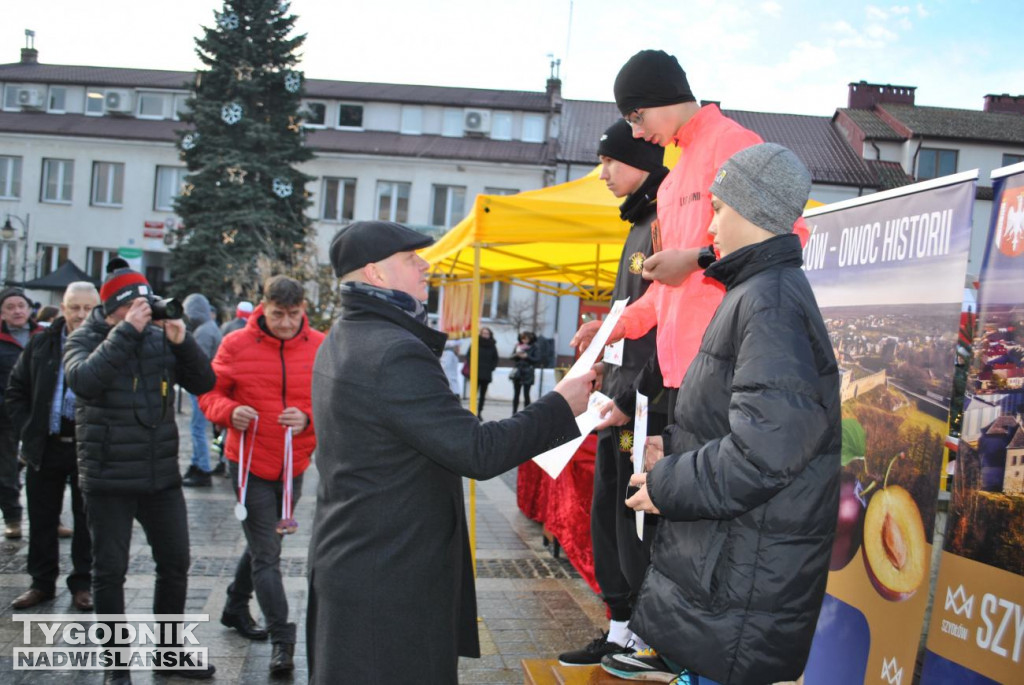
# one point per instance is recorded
(632, 169)
(749, 488)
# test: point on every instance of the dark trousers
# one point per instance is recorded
(165, 522)
(44, 491)
(516, 387)
(620, 557)
(481, 394)
(10, 478)
(259, 568)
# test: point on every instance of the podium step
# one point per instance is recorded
(550, 672)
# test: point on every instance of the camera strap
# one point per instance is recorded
(244, 467)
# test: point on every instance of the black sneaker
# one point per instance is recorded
(197, 479)
(592, 653)
(642, 665)
(220, 469)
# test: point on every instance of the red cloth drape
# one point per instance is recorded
(563, 505)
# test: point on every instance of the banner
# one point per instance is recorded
(888, 273)
(977, 624)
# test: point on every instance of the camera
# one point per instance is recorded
(165, 308)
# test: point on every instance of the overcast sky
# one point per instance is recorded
(793, 56)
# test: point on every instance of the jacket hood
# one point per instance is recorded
(197, 309)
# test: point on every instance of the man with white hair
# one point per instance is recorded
(42, 409)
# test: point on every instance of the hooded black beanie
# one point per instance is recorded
(651, 78)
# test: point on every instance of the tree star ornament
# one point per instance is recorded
(293, 124)
(228, 237)
(236, 175)
(292, 81)
(186, 189)
(231, 113)
(282, 187)
(243, 72)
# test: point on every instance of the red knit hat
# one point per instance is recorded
(122, 286)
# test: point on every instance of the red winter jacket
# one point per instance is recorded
(256, 369)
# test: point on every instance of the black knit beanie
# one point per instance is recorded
(618, 143)
(651, 78)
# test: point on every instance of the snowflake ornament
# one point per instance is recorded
(231, 113)
(292, 81)
(228, 22)
(282, 188)
(189, 141)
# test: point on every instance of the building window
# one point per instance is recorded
(533, 128)
(94, 102)
(393, 201)
(1009, 158)
(350, 116)
(452, 126)
(500, 191)
(501, 126)
(151, 106)
(107, 184)
(412, 120)
(157, 277)
(339, 199)
(316, 114)
(51, 257)
(181, 105)
(449, 205)
(10, 177)
(57, 103)
(169, 181)
(932, 163)
(495, 300)
(57, 177)
(96, 259)
(11, 96)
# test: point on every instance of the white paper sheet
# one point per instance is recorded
(613, 353)
(554, 460)
(639, 443)
(589, 356)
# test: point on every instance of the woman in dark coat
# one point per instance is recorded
(488, 363)
(524, 357)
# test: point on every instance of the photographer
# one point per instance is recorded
(122, 364)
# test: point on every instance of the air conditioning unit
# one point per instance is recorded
(117, 101)
(30, 97)
(477, 121)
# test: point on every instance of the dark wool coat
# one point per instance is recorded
(124, 415)
(392, 596)
(29, 396)
(488, 359)
(749, 490)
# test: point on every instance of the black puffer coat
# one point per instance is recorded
(749, 488)
(124, 418)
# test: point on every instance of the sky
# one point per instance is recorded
(793, 56)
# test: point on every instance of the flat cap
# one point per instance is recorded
(365, 242)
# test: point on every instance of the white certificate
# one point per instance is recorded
(613, 353)
(639, 443)
(554, 460)
(589, 356)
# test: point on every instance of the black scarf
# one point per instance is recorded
(639, 202)
(396, 298)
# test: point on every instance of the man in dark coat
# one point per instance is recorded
(632, 169)
(749, 488)
(122, 367)
(16, 327)
(391, 589)
(42, 409)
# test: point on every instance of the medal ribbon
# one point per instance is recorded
(286, 499)
(245, 464)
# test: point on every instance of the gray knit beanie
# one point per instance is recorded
(767, 184)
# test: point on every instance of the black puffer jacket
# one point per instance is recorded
(750, 487)
(124, 419)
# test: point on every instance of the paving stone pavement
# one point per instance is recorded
(530, 604)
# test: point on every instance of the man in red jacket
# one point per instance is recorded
(263, 395)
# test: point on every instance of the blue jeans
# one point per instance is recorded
(200, 442)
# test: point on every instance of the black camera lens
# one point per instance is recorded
(166, 308)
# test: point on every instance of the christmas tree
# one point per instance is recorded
(243, 200)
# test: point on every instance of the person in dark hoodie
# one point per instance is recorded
(200, 322)
(749, 488)
(16, 327)
(391, 587)
(42, 409)
(632, 169)
(122, 367)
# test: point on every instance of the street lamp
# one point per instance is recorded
(8, 233)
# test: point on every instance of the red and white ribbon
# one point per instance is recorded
(244, 467)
